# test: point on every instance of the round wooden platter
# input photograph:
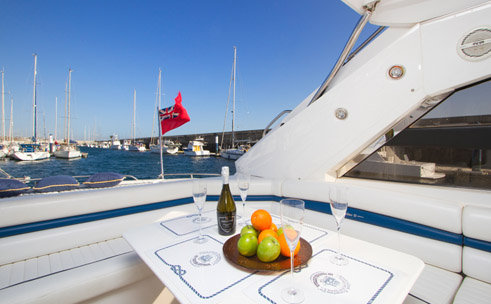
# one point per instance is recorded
(253, 263)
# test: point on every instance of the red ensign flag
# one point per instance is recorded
(173, 117)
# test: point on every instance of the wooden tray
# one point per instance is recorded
(281, 263)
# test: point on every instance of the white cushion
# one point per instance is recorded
(476, 222)
(82, 283)
(442, 214)
(434, 285)
(473, 291)
(440, 254)
(477, 264)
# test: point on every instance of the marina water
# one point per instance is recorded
(142, 165)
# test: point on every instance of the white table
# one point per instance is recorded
(199, 273)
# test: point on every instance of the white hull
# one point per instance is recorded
(30, 156)
(166, 149)
(197, 153)
(68, 154)
(170, 150)
(137, 148)
(195, 148)
(233, 154)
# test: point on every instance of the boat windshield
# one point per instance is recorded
(449, 146)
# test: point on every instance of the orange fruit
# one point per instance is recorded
(265, 233)
(273, 227)
(285, 250)
(261, 219)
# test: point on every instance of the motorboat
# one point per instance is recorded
(31, 152)
(70, 151)
(137, 147)
(126, 145)
(115, 143)
(195, 148)
(68, 246)
(234, 153)
(169, 147)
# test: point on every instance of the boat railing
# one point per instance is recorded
(369, 8)
(5, 173)
(27, 179)
(274, 120)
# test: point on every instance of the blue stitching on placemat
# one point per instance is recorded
(179, 271)
(391, 275)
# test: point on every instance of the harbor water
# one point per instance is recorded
(142, 165)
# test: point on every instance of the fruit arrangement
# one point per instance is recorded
(263, 238)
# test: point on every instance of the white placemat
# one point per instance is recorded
(309, 233)
(200, 270)
(322, 281)
(190, 224)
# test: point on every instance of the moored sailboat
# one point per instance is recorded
(135, 146)
(68, 150)
(35, 151)
(234, 152)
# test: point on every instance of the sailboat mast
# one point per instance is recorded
(64, 126)
(133, 129)
(34, 122)
(3, 108)
(161, 143)
(56, 116)
(68, 111)
(11, 130)
(233, 99)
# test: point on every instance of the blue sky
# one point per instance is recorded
(285, 49)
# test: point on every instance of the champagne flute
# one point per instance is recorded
(243, 180)
(292, 212)
(339, 204)
(199, 197)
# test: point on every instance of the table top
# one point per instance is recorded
(199, 273)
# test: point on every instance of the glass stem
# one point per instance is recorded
(243, 212)
(339, 243)
(200, 235)
(291, 263)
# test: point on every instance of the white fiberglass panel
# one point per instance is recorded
(442, 65)
(408, 12)
(374, 103)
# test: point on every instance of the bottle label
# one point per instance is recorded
(226, 223)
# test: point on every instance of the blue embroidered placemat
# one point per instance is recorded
(322, 281)
(201, 271)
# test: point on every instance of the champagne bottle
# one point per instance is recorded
(226, 207)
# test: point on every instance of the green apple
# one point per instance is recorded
(247, 244)
(269, 249)
(249, 229)
(280, 231)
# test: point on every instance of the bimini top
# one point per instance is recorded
(407, 12)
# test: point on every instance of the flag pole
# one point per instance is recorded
(161, 150)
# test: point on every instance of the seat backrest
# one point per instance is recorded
(476, 221)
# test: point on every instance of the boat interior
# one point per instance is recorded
(66, 247)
